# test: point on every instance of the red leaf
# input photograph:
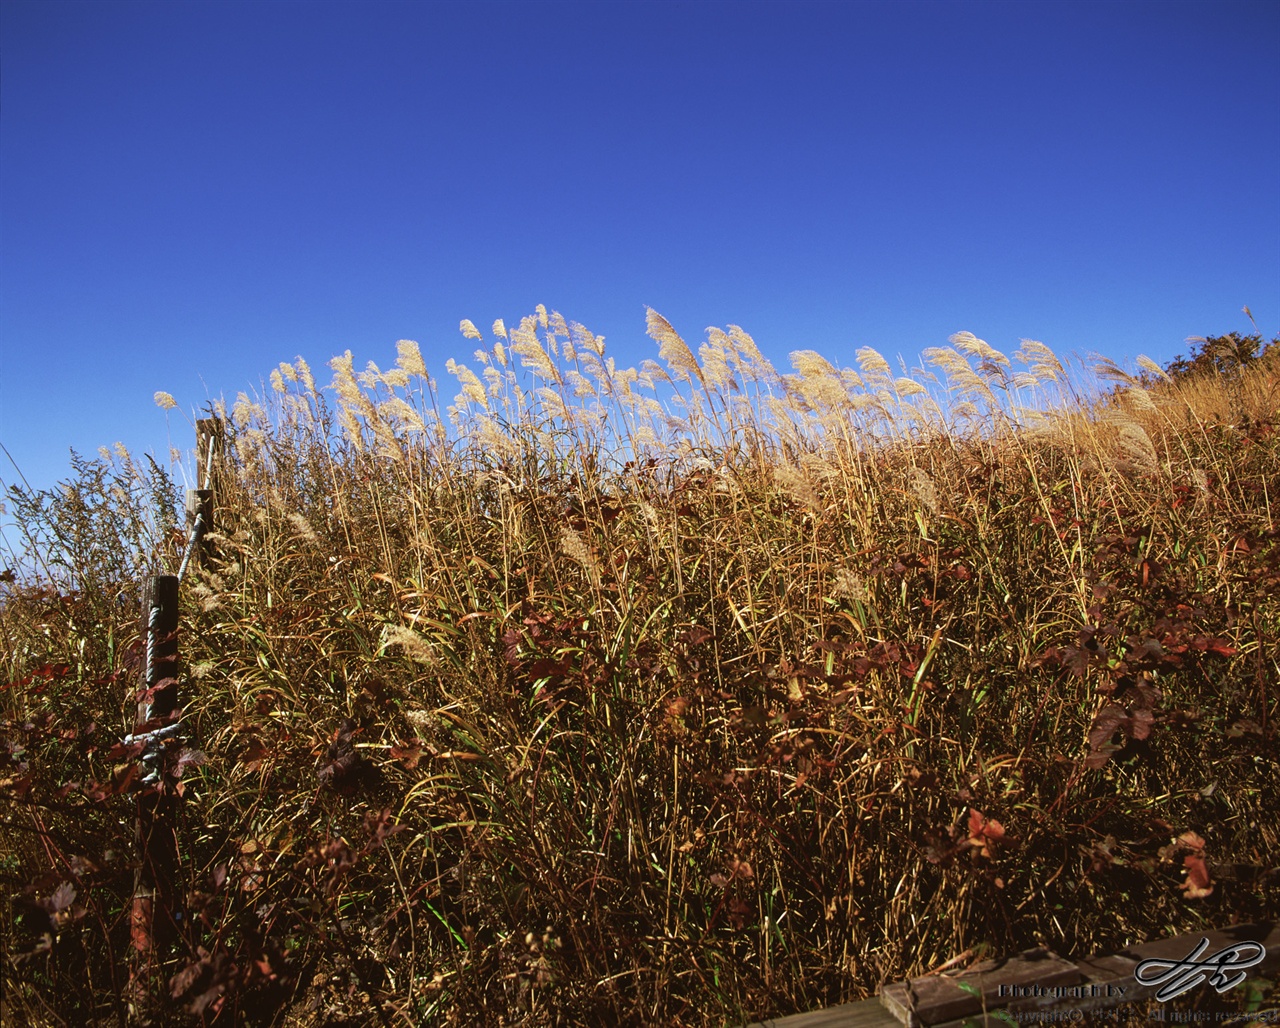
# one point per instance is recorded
(189, 758)
(122, 751)
(983, 832)
(122, 782)
(146, 695)
(1198, 883)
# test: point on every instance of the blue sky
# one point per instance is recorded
(191, 193)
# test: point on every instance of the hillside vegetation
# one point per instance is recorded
(683, 695)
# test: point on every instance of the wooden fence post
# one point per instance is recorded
(199, 521)
(208, 452)
(156, 840)
(156, 902)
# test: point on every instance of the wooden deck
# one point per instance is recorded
(869, 1013)
(1035, 985)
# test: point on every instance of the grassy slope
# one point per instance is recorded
(745, 727)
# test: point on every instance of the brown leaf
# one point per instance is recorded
(1134, 724)
(380, 826)
(1101, 855)
(754, 716)
(921, 779)
(255, 751)
(1140, 723)
(940, 848)
(677, 707)
(181, 982)
(344, 768)
(63, 896)
(408, 752)
(511, 640)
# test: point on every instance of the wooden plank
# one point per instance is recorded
(1109, 980)
(1117, 969)
(935, 1000)
(1100, 982)
(1035, 982)
(867, 1013)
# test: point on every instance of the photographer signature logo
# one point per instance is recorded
(1224, 969)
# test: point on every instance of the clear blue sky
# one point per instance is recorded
(191, 193)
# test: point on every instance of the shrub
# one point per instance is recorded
(1227, 355)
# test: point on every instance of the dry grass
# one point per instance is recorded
(681, 695)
